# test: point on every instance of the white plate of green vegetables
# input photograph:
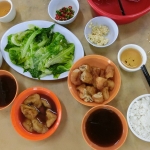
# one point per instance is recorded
(41, 49)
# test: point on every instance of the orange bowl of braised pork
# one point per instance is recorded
(36, 113)
(94, 80)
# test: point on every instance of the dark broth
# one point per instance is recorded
(42, 110)
(104, 127)
(7, 90)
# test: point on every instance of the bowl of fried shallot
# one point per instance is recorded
(94, 80)
(36, 113)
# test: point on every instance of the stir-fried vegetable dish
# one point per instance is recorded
(41, 51)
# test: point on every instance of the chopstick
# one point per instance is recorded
(121, 7)
(146, 74)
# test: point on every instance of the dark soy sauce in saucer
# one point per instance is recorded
(104, 127)
(7, 90)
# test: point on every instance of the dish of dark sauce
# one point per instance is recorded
(42, 111)
(7, 90)
(104, 127)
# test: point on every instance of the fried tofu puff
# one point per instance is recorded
(85, 68)
(34, 100)
(38, 126)
(102, 73)
(95, 73)
(105, 93)
(75, 77)
(111, 84)
(51, 117)
(101, 83)
(98, 97)
(84, 93)
(28, 125)
(91, 90)
(109, 72)
(86, 77)
(29, 111)
(45, 103)
(88, 98)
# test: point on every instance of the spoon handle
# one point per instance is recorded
(146, 74)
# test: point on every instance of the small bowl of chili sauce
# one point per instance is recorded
(30, 119)
(104, 127)
(63, 12)
(8, 89)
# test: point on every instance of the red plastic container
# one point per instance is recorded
(111, 9)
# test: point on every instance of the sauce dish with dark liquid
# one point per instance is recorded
(104, 127)
(8, 89)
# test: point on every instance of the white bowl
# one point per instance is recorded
(1, 58)
(58, 4)
(113, 29)
(138, 48)
(138, 117)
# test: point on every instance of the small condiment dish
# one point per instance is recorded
(55, 5)
(8, 89)
(104, 128)
(17, 117)
(98, 40)
(132, 60)
(8, 7)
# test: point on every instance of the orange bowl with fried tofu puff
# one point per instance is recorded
(36, 113)
(94, 80)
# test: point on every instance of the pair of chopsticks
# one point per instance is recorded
(146, 74)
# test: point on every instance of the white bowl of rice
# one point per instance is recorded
(138, 117)
(101, 31)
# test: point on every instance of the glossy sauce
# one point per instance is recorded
(7, 90)
(4, 8)
(131, 58)
(104, 127)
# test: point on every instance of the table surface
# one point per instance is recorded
(68, 136)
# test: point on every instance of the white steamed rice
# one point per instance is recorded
(139, 117)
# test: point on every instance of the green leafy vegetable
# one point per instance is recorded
(41, 51)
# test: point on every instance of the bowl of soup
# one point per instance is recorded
(131, 57)
(104, 127)
(8, 89)
(36, 113)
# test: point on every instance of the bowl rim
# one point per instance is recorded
(138, 48)
(95, 57)
(17, 88)
(118, 17)
(112, 22)
(133, 101)
(66, 21)
(15, 119)
(124, 124)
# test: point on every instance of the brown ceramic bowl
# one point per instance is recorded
(107, 126)
(17, 119)
(8, 89)
(97, 61)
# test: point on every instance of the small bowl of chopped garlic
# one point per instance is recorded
(101, 31)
